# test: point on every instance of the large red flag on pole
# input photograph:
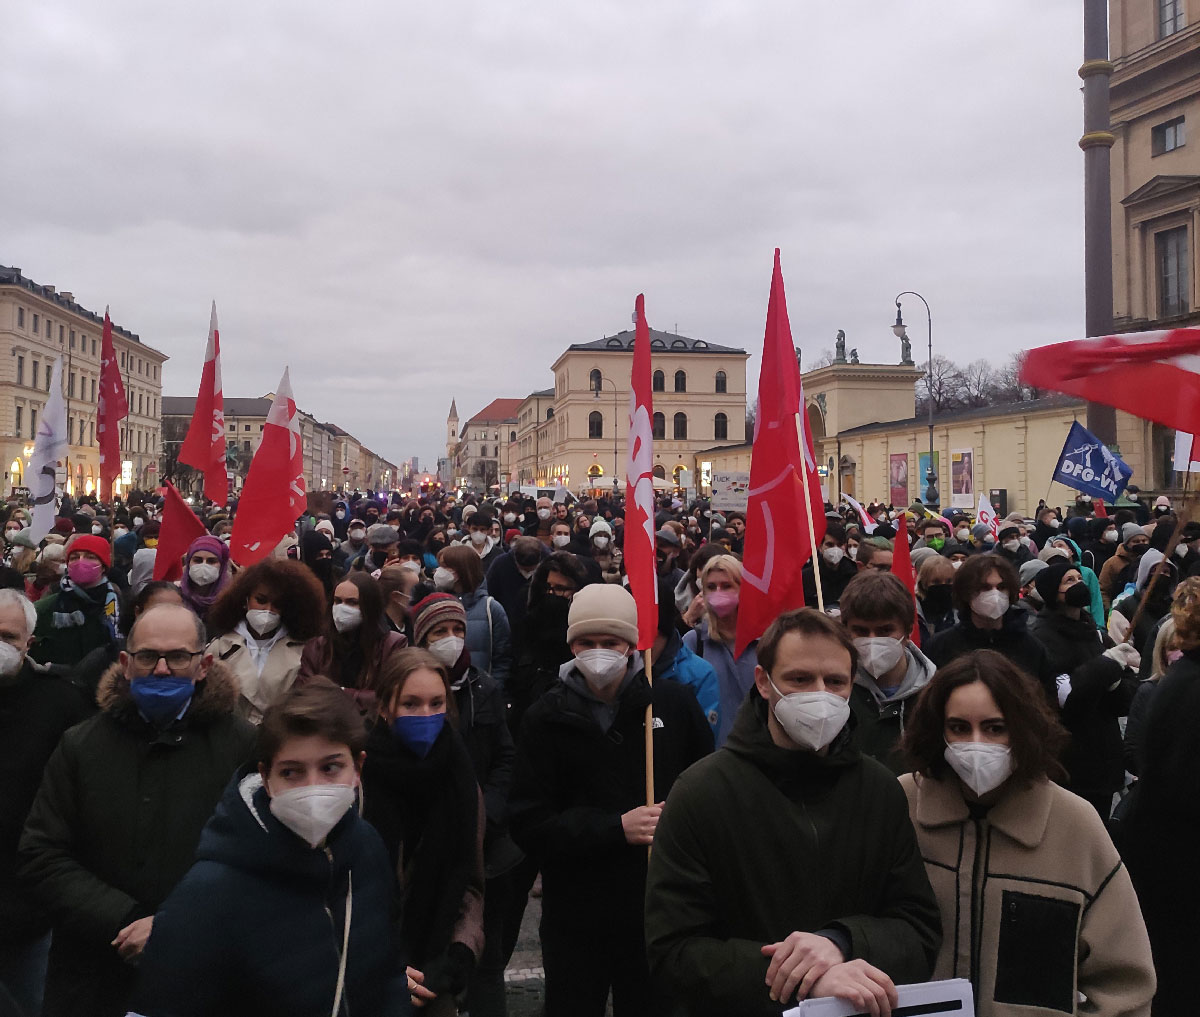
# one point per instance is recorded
(902, 569)
(784, 486)
(112, 409)
(178, 528)
(639, 487)
(272, 498)
(204, 446)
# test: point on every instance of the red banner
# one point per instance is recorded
(639, 486)
(112, 410)
(204, 446)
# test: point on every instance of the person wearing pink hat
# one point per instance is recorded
(77, 627)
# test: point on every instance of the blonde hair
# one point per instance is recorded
(1164, 642)
(1185, 612)
(730, 565)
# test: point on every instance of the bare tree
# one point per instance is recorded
(978, 384)
(945, 383)
(1008, 385)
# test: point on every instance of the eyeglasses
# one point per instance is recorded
(177, 660)
(561, 591)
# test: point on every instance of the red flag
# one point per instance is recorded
(903, 570)
(204, 446)
(1153, 375)
(273, 496)
(777, 541)
(639, 487)
(1101, 511)
(177, 529)
(112, 410)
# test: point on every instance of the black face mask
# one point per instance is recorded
(1078, 596)
(1139, 549)
(937, 601)
(378, 558)
(322, 569)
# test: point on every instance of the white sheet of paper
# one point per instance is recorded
(954, 993)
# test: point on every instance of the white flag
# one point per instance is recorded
(1183, 453)
(985, 514)
(50, 444)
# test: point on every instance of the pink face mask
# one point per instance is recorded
(722, 603)
(84, 572)
(1173, 655)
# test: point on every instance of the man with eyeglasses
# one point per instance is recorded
(874, 553)
(121, 805)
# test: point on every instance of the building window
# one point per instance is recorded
(720, 427)
(1170, 17)
(35, 324)
(20, 376)
(20, 317)
(61, 333)
(71, 386)
(595, 380)
(595, 424)
(91, 432)
(36, 373)
(32, 421)
(680, 381)
(659, 382)
(246, 427)
(18, 429)
(659, 427)
(1167, 137)
(72, 338)
(49, 329)
(722, 382)
(122, 360)
(93, 346)
(660, 472)
(680, 427)
(81, 431)
(93, 390)
(1171, 258)
(245, 446)
(49, 377)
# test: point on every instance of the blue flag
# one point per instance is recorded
(1087, 465)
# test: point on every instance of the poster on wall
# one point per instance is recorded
(898, 479)
(962, 478)
(923, 472)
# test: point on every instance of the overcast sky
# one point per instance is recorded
(414, 202)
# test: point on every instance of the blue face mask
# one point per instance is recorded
(161, 698)
(418, 733)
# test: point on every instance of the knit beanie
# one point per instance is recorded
(432, 610)
(1130, 530)
(96, 545)
(600, 526)
(603, 609)
(980, 530)
(1031, 569)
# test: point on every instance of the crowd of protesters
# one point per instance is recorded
(328, 783)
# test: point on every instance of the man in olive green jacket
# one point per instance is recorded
(785, 865)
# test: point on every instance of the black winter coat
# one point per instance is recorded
(1163, 829)
(114, 827)
(35, 710)
(833, 581)
(1101, 691)
(1012, 639)
(256, 927)
(572, 784)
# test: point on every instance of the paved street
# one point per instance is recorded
(524, 973)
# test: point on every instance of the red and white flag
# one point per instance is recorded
(113, 408)
(985, 514)
(1153, 375)
(639, 486)
(204, 446)
(902, 569)
(784, 486)
(868, 523)
(273, 496)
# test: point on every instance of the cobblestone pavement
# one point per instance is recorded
(524, 977)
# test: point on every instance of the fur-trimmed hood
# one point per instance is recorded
(215, 697)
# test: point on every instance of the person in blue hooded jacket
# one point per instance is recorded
(287, 910)
(672, 660)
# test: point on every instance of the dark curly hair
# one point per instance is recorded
(1035, 735)
(296, 592)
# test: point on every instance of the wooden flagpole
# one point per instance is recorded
(812, 533)
(649, 723)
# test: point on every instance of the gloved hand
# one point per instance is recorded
(1118, 626)
(1126, 655)
(449, 972)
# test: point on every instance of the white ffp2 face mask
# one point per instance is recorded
(833, 556)
(203, 573)
(444, 579)
(10, 660)
(346, 617)
(877, 655)
(310, 812)
(263, 622)
(990, 604)
(448, 649)
(811, 719)
(982, 766)
(602, 667)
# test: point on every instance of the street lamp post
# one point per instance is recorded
(616, 412)
(931, 477)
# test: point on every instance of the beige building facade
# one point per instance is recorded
(1155, 110)
(869, 444)
(535, 418)
(39, 323)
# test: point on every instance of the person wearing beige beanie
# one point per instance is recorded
(578, 805)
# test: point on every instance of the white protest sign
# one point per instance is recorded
(930, 999)
(730, 491)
